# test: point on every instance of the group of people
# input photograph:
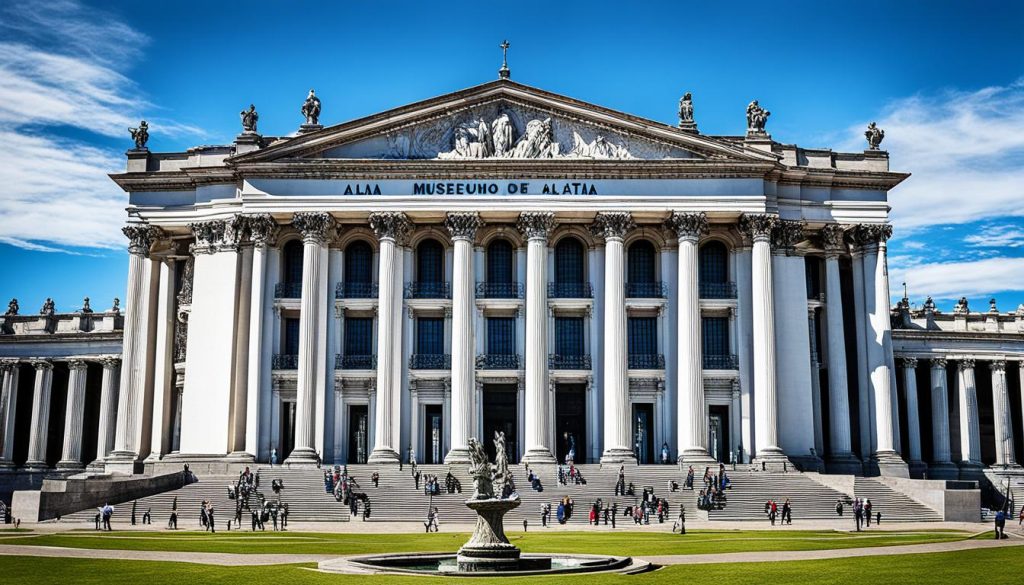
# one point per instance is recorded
(712, 496)
(621, 487)
(771, 509)
(564, 511)
(534, 480)
(862, 510)
(570, 474)
(247, 484)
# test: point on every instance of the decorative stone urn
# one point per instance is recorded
(489, 549)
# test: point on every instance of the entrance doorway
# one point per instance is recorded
(433, 438)
(571, 421)
(287, 428)
(358, 433)
(718, 433)
(643, 426)
(500, 414)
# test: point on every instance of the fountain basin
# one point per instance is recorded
(447, 564)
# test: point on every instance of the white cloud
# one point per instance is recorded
(951, 280)
(997, 236)
(966, 153)
(63, 67)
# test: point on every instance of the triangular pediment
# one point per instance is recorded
(502, 120)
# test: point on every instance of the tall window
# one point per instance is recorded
(813, 271)
(569, 336)
(359, 262)
(291, 336)
(569, 261)
(499, 262)
(430, 262)
(643, 335)
(641, 262)
(358, 336)
(715, 336)
(293, 262)
(430, 335)
(501, 335)
(714, 263)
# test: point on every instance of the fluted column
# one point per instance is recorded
(71, 455)
(913, 420)
(8, 408)
(692, 420)
(262, 231)
(613, 226)
(758, 228)
(536, 227)
(133, 351)
(108, 407)
(316, 228)
(1003, 419)
(970, 425)
(391, 228)
(40, 415)
(841, 458)
(941, 466)
(462, 227)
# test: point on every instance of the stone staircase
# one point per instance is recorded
(894, 506)
(751, 490)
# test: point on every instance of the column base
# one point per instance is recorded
(385, 455)
(538, 455)
(458, 455)
(241, 457)
(971, 470)
(70, 465)
(808, 463)
(6, 465)
(35, 466)
(887, 463)
(301, 458)
(943, 470)
(917, 469)
(96, 466)
(844, 464)
(695, 457)
(618, 456)
(773, 459)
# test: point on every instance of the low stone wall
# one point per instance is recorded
(60, 497)
(948, 498)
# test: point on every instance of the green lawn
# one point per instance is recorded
(617, 543)
(994, 567)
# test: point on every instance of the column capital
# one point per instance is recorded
(909, 362)
(261, 228)
(998, 365)
(787, 233)
(316, 226)
(8, 365)
(140, 238)
(390, 225)
(832, 236)
(463, 225)
(215, 235)
(110, 362)
(688, 226)
(41, 364)
(77, 365)
(612, 224)
(758, 226)
(536, 225)
(939, 363)
(965, 364)
(870, 234)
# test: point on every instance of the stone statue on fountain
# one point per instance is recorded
(480, 471)
(488, 549)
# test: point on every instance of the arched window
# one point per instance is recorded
(499, 262)
(569, 261)
(641, 262)
(430, 261)
(713, 272)
(358, 272)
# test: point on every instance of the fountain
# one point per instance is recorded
(488, 550)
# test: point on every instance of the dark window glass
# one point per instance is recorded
(569, 261)
(499, 262)
(359, 262)
(291, 337)
(715, 335)
(641, 262)
(429, 335)
(501, 335)
(643, 335)
(430, 262)
(813, 271)
(293, 262)
(569, 335)
(358, 336)
(714, 262)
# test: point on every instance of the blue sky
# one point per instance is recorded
(944, 79)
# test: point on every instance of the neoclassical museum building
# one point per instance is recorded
(593, 284)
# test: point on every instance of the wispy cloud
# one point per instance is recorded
(64, 67)
(997, 236)
(951, 280)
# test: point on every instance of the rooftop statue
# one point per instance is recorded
(757, 117)
(48, 308)
(311, 109)
(249, 119)
(929, 305)
(961, 307)
(116, 309)
(686, 121)
(85, 305)
(140, 135)
(874, 134)
(992, 306)
(12, 307)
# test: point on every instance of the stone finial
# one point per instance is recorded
(961, 307)
(874, 134)
(758, 226)
(504, 72)
(686, 121)
(757, 118)
(85, 306)
(140, 135)
(463, 225)
(12, 307)
(688, 225)
(116, 308)
(249, 119)
(49, 308)
(393, 225)
(140, 238)
(992, 306)
(536, 224)
(929, 306)
(612, 224)
(311, 109)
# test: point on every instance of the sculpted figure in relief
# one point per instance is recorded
(537, 142)
(598, 148)
(502, 135)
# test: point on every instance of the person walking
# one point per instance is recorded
(1000, 525)
(787, 511)
(681, 521)
(867, 512)
(839, 507)
(615, 512)
(209, 517)
(106, 512)
(858, 511)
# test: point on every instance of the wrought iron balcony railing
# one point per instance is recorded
(499, 290)
(285, 361)
(288, 290)
(498, 361)
(646, 290)
(355, 362)
(570, 290)
(428, 290)
(430, 361)
(569, 362)
(356, 290)
(717, 290)
(646, 361)
(721, 362)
